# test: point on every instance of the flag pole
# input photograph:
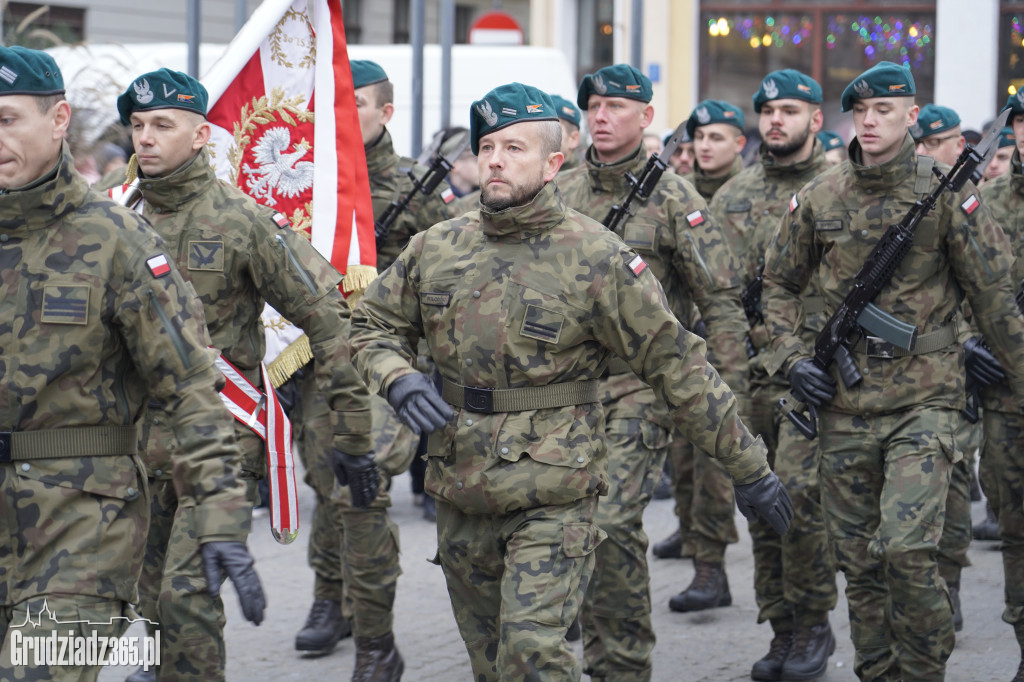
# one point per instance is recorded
(242, 46)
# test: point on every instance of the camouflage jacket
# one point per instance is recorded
(1004, 197)
(389, 181)
(706, 186)
(748, 209)
(93, 321)
(833, 224)
(530, 296)
(239, 254)
(683, 247)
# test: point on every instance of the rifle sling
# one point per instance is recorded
(875, 347)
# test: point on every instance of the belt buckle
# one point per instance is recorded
(5, 446)
(478, 399)
(880, 348)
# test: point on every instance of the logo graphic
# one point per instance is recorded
(897, 88)
(8, 75)
(535, 108)
(771, 90)
(143, 95)
(166, 93)
(936, 124)
(186, 99)
(599, 86)
(703, 115)
(486, 113)
(67, 643)
(277, 170)
(803, 88)
(863, 89)
(509, 111)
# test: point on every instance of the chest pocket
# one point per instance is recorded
(537, 318)
(640, 235)
(206, 255)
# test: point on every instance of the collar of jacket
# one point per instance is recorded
(611, 177)
(173, 191)
(380, 156)
(706, 186)
(1016, 173)
(543, 213)
(46, 202)
(773, 168)
(892, 173)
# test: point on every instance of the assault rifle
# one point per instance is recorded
(440, 164)
(641, 188)
(751, 298)
(857, 313)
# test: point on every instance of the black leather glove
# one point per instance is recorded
(811, 383)
(701, 329)
(360, 474)
(234, 559)
(982, 366)
(418, 404)
(768, 499)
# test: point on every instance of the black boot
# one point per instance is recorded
(671, 547)
(141, 675)
(378, 660)
(709, 589)
(989, 528)
(769, 668)
(808, 659)
(663, 491)
(324, 628)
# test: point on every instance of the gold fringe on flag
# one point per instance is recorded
(357, 278)
(290, 361)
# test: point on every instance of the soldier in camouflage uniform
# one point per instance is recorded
(569, 118)
(238, 255)
(1002, 455)
(523, 304)
(364, 542)
(888, 444)
(794, 575)
(937, 134)
(835, 147)
(676, 237)
(716, 128)
(96, 319)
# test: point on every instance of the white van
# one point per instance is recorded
(476, 70)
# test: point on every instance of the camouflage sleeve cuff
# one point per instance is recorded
(749, 464)
(354, 444)
(215, 522)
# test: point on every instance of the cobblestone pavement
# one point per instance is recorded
(717, 645)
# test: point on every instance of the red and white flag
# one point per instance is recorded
(285, 130)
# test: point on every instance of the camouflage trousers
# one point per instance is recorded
(884, 481)
(618, 636)
(1003, 452)
(704, 502)
(794, 574)
(516, 582)
(956, 531)
(354, 552)
(77, 615)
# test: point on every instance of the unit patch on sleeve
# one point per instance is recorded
(637, 265)
(206, 255)
(281, 221)
(64, 304)
(158, 265)
(447, 196)
(794, 204)
(695, 218)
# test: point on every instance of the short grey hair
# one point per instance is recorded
(551, 136)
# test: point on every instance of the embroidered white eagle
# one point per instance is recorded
(276, 171)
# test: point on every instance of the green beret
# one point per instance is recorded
(618, 80)
(831, 140)
(714, 111)
(1015, 103)
(884, 79)
(1006, 138)
(506, 105)
(787, 84)
(932, 120)
(28, 72)
(162, 89)
(566, 110)
(668, 136)
(365, 72)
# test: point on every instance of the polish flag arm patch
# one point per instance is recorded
(637, 265)
(794, 204)
(447, 196)
(695, 218)
(281, 221)
(970, 205)
(158, 265)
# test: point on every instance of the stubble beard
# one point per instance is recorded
(789, 146)
(519, 195)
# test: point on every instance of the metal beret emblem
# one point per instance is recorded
(863, 89)
(771, 90)
(703, 115)
(485, 111)
(599, 86)
(143, 95)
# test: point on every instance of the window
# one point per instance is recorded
(595, 26)
(352, 16)
(402, 31)
(463, 20)
(832, 43)
(49, 25)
